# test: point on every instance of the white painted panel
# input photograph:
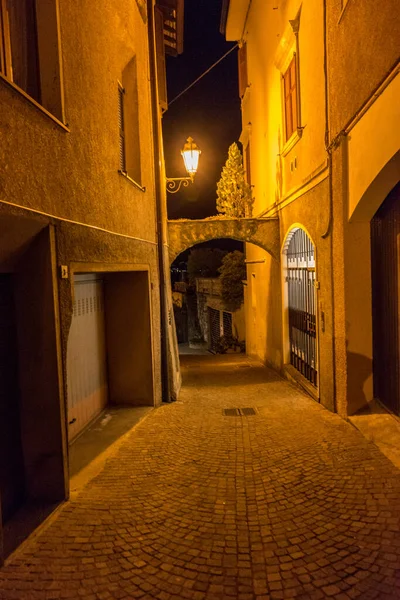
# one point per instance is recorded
(86, 356)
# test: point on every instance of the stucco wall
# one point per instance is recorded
(363, 46)
(272, 168)
(74, 175)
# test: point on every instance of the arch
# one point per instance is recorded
(290, 233)
(378, 190)
(374, 155)
(184, 234)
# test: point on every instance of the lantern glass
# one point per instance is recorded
(191, 154)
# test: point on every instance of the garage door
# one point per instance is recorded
(86, 354)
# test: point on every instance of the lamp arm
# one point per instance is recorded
(174, 184)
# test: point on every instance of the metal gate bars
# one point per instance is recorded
(300, 278)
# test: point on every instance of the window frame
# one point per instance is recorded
(50, 97)
(134, 176)
(121, 128)
(290, 98)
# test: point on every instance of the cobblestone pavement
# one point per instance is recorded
(289, 503)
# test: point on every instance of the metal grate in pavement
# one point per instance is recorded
(238, 412)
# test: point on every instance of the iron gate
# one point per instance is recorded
(227, 323)
(215, 330)
(300, 278)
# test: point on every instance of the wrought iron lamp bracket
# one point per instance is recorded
(174, 184)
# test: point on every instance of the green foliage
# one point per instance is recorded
(234, 196)
(204, 262)
(232, 272)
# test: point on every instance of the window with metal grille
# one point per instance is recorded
(290, 98)
(30, 50)
(300, 279)
(227, 323)
(121, 125)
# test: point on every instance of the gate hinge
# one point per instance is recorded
(316, 285)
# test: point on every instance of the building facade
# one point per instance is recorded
(321, 148)
(217, 318)
(81, 215)
(283, 128)
(364, 145)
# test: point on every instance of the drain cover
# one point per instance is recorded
(238, 412)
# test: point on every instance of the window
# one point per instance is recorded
(128, 122)
(242, 65)
(30, 52)
(121, 125)
(290, 98)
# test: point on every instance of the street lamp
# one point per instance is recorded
(191, 154)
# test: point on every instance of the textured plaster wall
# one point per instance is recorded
(362, 49)
(363, 45)
(263, 307)
(74, 175)
(374, 168)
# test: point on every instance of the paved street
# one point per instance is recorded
(291, 502)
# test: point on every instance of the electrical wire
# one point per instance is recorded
(202, 75)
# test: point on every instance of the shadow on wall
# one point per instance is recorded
(359, 370)
(273, 339)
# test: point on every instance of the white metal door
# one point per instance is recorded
(86, 354)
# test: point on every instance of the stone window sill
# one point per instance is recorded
(132, 181)
(292, 141)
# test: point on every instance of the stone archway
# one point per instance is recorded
(184, 234)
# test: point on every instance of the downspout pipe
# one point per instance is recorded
(159, 182)
(329, 228)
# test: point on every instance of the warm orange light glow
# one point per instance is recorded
(191, 154)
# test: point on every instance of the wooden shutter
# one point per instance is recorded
(121, 124)
(290, 95)
(160, 59)
(242, 64)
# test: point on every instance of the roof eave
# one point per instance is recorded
(233, 19)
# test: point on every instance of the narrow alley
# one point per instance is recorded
(289, 502)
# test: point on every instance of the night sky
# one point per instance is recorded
(209, 111)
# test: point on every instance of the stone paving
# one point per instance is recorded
(289, 503)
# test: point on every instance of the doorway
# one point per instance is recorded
(86, 355)
(385, 262)
(301, 299)
(12, 476)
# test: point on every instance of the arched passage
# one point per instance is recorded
(184, 234)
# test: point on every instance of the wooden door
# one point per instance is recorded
(385, 231)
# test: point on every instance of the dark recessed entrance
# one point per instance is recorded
(385, 252)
